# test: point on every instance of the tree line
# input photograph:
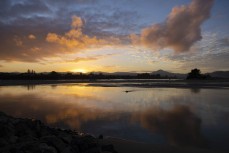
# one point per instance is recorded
(53, 75)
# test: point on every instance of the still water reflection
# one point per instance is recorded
(195, 117)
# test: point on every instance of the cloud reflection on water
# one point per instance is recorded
(179, 125)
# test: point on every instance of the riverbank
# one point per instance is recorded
(144, 83)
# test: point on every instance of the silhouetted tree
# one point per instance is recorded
(143, 76)
(195, 74)
(54, 75)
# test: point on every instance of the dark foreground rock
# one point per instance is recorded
(32, 136)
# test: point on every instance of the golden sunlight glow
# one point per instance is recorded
(79, 70)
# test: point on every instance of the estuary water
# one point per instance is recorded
(173, 116)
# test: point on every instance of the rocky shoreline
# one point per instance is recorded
(32, 136)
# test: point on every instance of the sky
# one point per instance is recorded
(114, 35)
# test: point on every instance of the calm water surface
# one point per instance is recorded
(194, 117)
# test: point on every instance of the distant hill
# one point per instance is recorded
(169, 74)
(219, 74)
(161, 72)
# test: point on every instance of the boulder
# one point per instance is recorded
(54, 141)
(32, 136)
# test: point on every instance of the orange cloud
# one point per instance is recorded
(92, 58)
(18, 41)
(77, 22)
(180, 30)
(31, 36)
(75, 38)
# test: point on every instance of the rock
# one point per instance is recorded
(3, 142)
(22, 128)
(44, 132)
(54, 141)
(70, 150)
(79, 145)
(27, 138)
(6, 130)
(27, 147)
(32, 136)
(100, 136)
(108, 148)
(66, 137)
(12, 139)
(93, 150)
(44, 148)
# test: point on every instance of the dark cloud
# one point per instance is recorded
(224, 41)
(181, 29)
(12, 10)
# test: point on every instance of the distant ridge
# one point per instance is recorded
(219, 74)
(169, 74)
(160, 72)
(216, 74)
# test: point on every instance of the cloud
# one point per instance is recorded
(31, 36)
(181, 29)
(35, 43)
(77, 22)
(53, 111)
(17, 24)
(179, 125)
(92, 58)
(89, 29)
(18, 41)
(75, 38)
(224, 41)
(210, 54)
